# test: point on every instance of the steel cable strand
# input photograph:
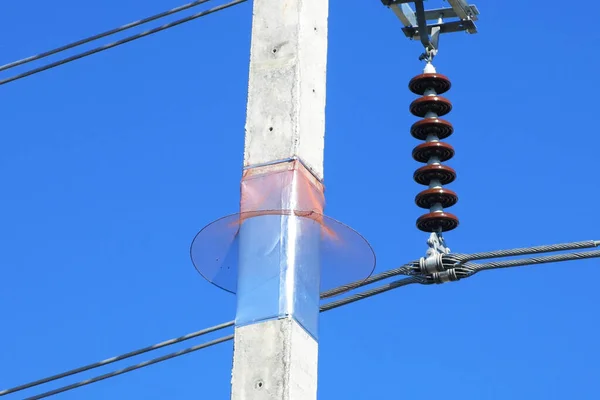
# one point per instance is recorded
(404, 270)
(118, 358)
(526, 250)
(119, 42)
(407, 269)
(375, 291)
(324, 308)
(102, 35)
(466, 270)
(533, 261)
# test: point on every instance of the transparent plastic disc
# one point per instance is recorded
(345, 256)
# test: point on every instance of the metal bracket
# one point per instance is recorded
(415, 21)
(433, 261)
(437, 245)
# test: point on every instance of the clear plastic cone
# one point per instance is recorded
(344, 255)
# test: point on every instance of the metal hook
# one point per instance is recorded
(428, 55)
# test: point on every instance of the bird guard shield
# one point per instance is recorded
(279, 266)
(280, 251)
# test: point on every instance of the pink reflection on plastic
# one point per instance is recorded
(345, 255)
(284, 186)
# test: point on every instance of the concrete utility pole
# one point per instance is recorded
(276, 345)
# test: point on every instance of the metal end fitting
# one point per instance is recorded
(433, 263)
(444, 276)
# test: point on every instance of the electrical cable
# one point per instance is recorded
(533, 261)
(410, 268)
(375, 291)
(467, 270)
(324, 308)
(118, 358)
(130, 368)
(528, 250)
(406, 269)
(119, 42)
(375, 278)
(461, 271)
(192, 335)
(102, 35)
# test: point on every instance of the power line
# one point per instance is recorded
(469, 269)
(119, 42)
(459, 270)
(533, 261)
(528, 250)
(202, 332)
(324, 308)
(403, 270)
(102, 35)
(118, 358)
(375, 291)
(130, 368)
(452, 259)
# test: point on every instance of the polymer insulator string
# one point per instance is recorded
(432, 129)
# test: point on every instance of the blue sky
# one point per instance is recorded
(111, 164)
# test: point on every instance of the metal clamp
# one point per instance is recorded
(433, 261)
(444, 276)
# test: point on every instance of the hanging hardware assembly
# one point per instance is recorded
(432, 128)
(462, 19)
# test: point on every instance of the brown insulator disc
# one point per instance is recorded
(427, 198)
(424, 151)
(436, 221)
(439, 172)
(431, 126)
(436, 104)
(438, 82)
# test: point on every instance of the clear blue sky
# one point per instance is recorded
(110, 165)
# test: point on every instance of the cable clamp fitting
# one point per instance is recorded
(431, 264)
(433, 260)
(444, 276)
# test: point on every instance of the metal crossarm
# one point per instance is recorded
(457, 18)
